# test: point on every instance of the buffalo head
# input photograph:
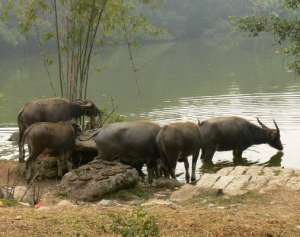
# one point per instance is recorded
(88, 108)
(273, 135)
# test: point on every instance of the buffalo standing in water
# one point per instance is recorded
(52, 110)
(132, 143)
(57, 137)
(177, 141)
(237, 134)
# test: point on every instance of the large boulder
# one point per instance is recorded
(98, 178)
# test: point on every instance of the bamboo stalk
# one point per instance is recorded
(58, 48)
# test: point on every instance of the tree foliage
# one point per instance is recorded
(76, 27)
(284, 26)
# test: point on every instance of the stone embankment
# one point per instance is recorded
(240, 180)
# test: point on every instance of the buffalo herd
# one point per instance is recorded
(49, 124)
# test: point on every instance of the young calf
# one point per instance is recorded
(56, 137)
(176, 142)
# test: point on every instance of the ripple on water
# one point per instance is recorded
(8, 150)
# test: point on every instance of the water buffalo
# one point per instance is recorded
(57, 137)
(52, 110)
(132, 143)
(235, 133)
(177, 141)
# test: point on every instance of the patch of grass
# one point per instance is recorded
(276, 172)
(111, 117)
(62, 195)
(138, 223)
(130, 194)
(261, 173)
(8, 202)
(294, 174)
(224, 200)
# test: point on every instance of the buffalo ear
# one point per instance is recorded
(199, 123)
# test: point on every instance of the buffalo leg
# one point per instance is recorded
(208, 154)
(186, 166)
(150, 170)
(237, 153)
(194, 163)
(21, 149)
(28, 167)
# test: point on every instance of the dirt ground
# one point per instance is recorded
(275, 213)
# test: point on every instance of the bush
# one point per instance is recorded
(137, 224)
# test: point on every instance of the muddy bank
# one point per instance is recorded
(274, 212)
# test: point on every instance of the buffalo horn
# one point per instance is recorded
(199, 123)
(261, 124)
(277, 128)
(87, 103)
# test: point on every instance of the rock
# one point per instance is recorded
(22, 193)
(65, 203)
(271, 171)
(207, 180)
(257, 182)
(275, 182)
(14, 137)
(25, 204)
(254, 170)
(97, 178)
(166, 183)
(105, 202)
(225, 171)
(237, 185)
(239, 170)
(222, 182)
(185, 193)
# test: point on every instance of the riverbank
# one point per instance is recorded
(209, 213)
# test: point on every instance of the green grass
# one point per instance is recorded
(130, 194)
(137, 224)
(213, 197)
(62, 195)
(9, 202)
(276, 172)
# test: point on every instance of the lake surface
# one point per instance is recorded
(177, 82)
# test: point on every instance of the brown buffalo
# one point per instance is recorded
(132, 143)
(177, 141)
(57, 137)
(52, 110)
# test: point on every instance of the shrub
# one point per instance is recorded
(137, 224)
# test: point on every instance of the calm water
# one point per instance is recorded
(177, 81)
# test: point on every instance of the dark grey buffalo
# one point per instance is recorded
(58, 138)
(177, 141)
(235, 133)
(132, 143)
(52, 110)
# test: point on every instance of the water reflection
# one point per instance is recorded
(213, 167)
